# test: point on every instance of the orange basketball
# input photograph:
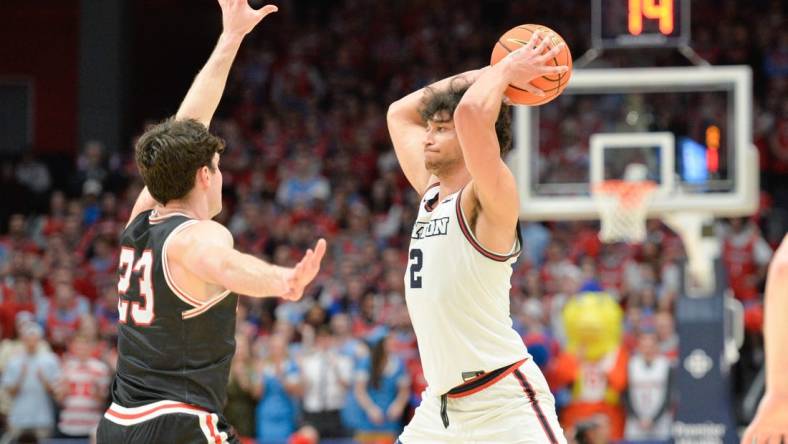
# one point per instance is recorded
(552, 84)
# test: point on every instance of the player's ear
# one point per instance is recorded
(203, 176)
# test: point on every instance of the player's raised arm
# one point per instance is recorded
(206, 250)
(238, 19)
(203, 97)
(406, 128)
(771, 422)
(475, 119)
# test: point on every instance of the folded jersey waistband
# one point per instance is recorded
(483, 381)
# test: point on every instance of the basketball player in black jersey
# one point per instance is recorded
(179, 273)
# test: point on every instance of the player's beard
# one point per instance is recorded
(442, 165)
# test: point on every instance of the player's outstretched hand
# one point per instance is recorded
(302, 274)
(238, 18)
(771, 422)
(530, 61)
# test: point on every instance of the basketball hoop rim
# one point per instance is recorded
(629, 194)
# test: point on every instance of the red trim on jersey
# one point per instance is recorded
(178, 405)
(529, 391)
(209, 421)
(469, 235)
(460, 393)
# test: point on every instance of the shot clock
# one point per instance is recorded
(640, 23)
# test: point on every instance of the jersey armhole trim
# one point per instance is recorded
(155, 218)
(182, 295)
(468, 233)
(429, 187)
(432, 202)
(198, 307)
(194, 312)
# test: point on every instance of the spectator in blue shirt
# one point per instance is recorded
(382, 387)
(278, 388)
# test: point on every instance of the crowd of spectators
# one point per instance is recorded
(309, 156)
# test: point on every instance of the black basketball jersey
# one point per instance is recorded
(170, 346)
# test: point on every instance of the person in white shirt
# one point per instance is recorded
(326, 377)
(29, 378)
(83, 389)
(648, 394)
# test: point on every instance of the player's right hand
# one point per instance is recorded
(530, 61)
(238, 18)
(298, 277)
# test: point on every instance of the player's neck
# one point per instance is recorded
(452, 182)
(186, 207)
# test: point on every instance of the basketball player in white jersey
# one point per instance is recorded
(771, 423)
(482, 384)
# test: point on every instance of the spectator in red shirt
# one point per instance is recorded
(52, 222)
(102, 265)
(106, 311)
(745, 255)
(17, 238)
(16, 299)
(556, 261)
(63, 318)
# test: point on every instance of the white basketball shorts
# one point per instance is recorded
(515, 406)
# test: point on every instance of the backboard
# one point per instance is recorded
(691, 127)
(696, 123)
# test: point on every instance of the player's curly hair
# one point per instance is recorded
(169, 154)
(436, 101)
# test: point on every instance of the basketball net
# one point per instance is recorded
(623, 206)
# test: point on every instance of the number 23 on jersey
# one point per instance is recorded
(141, 313)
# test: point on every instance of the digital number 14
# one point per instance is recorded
(661, 10)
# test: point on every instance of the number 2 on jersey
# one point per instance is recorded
(142, 314)
(415, 267)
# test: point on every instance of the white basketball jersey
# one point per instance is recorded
(458, 297)
(648, 385)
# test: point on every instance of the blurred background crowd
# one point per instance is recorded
(309, 155)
